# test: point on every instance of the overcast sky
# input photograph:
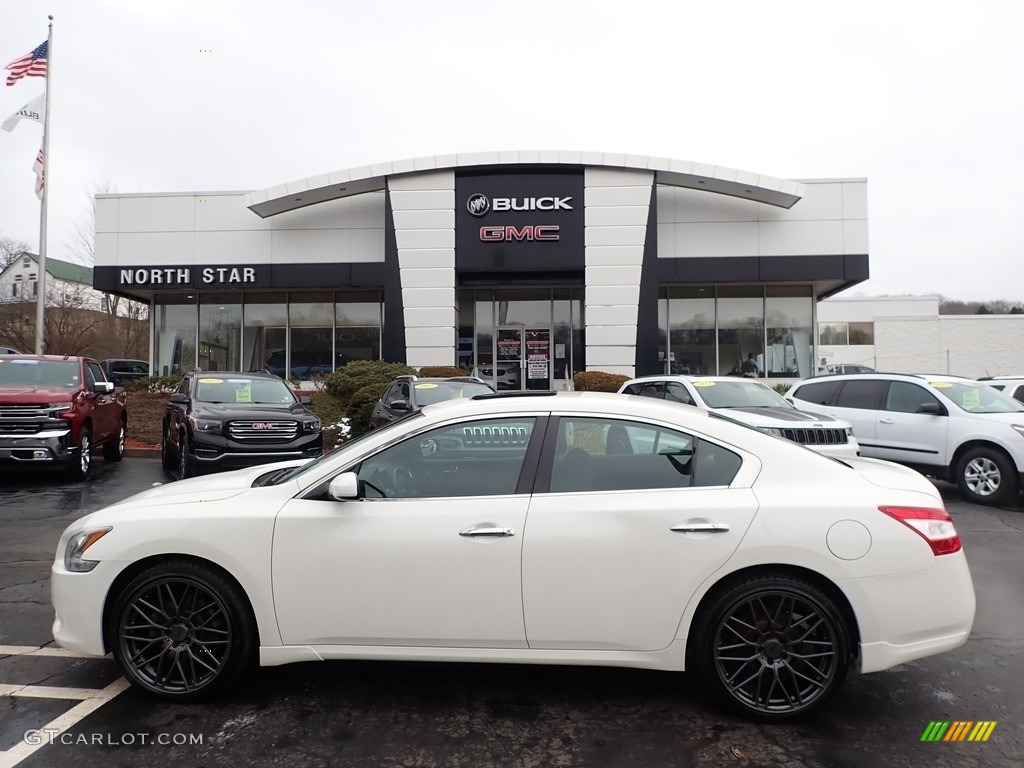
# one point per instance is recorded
(924, 99)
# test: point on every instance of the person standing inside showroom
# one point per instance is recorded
(750, 368)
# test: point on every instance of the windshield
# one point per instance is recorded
(739, 394)
(430, 392)
(312, 466)
(977, 398)
(244, 389)
(56, 374)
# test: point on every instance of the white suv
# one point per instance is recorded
(1009, 385)
(754, 404)
(947, 427)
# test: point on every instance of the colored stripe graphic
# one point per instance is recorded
(959, 730)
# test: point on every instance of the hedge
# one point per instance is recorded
(345, 382)
(598, 381)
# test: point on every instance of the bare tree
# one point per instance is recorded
(10, 250)
(73, 326)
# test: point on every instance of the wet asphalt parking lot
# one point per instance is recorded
(400, 714)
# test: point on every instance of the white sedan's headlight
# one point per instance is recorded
(76, 546)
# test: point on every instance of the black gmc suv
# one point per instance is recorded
(229, 420)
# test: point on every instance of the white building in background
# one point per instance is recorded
(906, 334)
(19, 282)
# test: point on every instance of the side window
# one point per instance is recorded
(653, 389)
(676, 393)
(633, 389)
(390, 394)
(95, 373)
(186, 383)
(476, 458)
(907, 398)
(818, 392)
(618, 455)
(90, 376)
(1019, 393)
(862, 394)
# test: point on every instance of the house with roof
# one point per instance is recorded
(66, 282)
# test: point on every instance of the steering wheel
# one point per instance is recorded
(402, 482)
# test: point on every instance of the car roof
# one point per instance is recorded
(511, 403)
(678, 377)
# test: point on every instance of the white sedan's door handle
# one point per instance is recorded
(886, 421)
(488, 529)
(701, 528)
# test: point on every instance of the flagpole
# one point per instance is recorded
(41, 280)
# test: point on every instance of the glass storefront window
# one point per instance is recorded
(862, 333)
(311, 328)
(266, 323)
(175, 330)
(833, 333)
(220, 332)
(466, 359)
(691, 321)
(357, 331)
(740, 329)
(788, 311)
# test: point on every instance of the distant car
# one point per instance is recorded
(502, 528)
(123, 371)
(754, 404)
(407, 394)
(226, 420)
(10, 351)
(1009, 385)
(504, 375)
(947, 427)
(841, 368)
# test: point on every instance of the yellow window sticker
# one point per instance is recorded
(970, 399)
(942, 384)
(211, 381)
(243, 394)
(426, 386)
(704, 383)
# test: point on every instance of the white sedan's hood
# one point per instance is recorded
(204, 488)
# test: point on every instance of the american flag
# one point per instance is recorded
(30, 65)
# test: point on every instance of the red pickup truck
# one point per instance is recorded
(55, 410)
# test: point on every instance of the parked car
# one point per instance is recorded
(1009, 385)
(407, 394)
(226, 420)
(10, 351)
(504, 375)
(946, 427)
(754, 404)
(503, 528)
(121, 372)
(55, 410)
(827, 369)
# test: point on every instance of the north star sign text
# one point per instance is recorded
(183, 276)
(546, 233)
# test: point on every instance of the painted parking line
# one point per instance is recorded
(89, 700)
(46, 650)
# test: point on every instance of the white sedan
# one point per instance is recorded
(502, 528)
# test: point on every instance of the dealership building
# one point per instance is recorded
(524, 267)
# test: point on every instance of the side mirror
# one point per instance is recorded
(344, 487)
(179, 398)
(399, 405)
(102, 387)
(935, 409)
(305, 400)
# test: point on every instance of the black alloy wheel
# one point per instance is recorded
(772, 648)
(181, 631)
(165, 455)
(185, 469)
(81, 466)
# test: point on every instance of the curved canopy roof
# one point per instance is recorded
(680, 173)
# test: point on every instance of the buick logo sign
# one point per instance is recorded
(478, 205)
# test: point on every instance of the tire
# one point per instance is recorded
(771, 647)
(165, 456)
(182, 631)
(987, 476)
(185, 467)
(113, 449)
(81, 467)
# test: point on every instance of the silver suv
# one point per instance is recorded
(754, 404)
(947, 427)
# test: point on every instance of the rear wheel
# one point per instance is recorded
(113, 449)
(165, 456)
(771, 647)
(182, 631)
(987, 476)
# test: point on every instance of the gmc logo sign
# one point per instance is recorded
(547, 233)
(262, 425)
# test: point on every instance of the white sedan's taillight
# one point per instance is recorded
(933, 525)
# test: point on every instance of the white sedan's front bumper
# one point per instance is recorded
(78, 602)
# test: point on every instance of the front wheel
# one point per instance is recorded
(771, 647)
(82, 463)
(987, 476)
(181, 631)
(185, 468)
